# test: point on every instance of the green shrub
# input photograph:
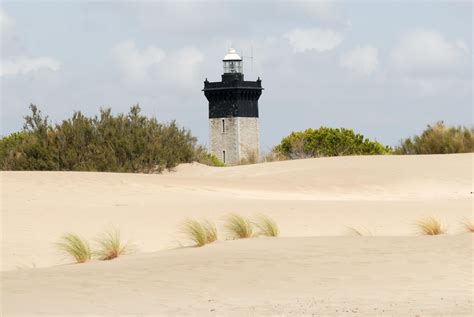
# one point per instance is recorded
(110, 143)
(327, 142)
(10, 145)
(207, 158)
(439, 139)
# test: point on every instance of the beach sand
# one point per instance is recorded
(315, 267)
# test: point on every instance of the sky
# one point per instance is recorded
(386, 69)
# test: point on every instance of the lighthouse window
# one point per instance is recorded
(223, 126)
(223, 156)
(232, 67)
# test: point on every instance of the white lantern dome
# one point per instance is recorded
(232, 55)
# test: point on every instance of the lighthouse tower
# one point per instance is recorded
(233, 112)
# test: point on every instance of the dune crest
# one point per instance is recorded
(313, 197)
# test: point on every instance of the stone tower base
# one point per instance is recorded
(234, 139)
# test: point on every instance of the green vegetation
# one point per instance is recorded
(10, 143)
(76, 247)
(266, 226)
(134, 143)
(436, 139)
(208, 159)
(430, 226)
(113, 143)
(327, 142)
(439, 139)
(238, 227)
(111, 246)
(200, 233)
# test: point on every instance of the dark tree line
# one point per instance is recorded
(113, 143)
(135, 143)
(435, 139)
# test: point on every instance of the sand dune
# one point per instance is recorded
(395, 276)
(309, 268)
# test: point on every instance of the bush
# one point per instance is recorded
(439, 139)
(207, 158)
(109, 143)
(327, 142)
(9, 146)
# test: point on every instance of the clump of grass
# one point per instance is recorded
(362, 232)
(238, 227)
(73, 245)
(430, 226)
(111, 246)
(266, 226)
(211, 231)
(200, 233)
(468, 225)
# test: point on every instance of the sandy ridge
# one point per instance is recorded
(264, 276)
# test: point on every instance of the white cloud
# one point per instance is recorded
(6, 21)
(8, 33)
(362, 60)
(322, 8)
(184, 65)
(317, 39)
(21, 65)
(153, 64)
(423, 53)
(135, 62)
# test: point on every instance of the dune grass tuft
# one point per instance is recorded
(430, 226)
(211, 231)
(362, 232)
(200, 233)
(73, 245)
(266, 226)
(238, 227)
(468, 225)
(110, 245)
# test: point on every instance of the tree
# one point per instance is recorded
(439, 139)
(327, 142)
(107, 142)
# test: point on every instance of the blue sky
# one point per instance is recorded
(385, 69)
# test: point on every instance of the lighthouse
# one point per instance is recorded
(233, 112)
